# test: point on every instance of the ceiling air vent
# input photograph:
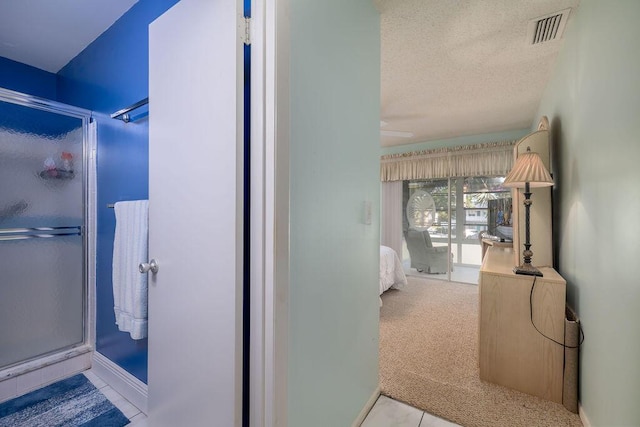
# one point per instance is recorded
(548, 27)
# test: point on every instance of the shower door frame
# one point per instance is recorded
(89, 139)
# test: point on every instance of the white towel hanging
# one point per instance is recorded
(129, 250)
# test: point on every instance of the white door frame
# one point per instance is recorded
(269, 216)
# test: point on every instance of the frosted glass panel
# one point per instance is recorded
(40, 168)
(41, 263)
(41, 306)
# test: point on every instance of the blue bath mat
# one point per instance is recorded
(70, 402)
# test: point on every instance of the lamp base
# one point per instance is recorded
(528, 270)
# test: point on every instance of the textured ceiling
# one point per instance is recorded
(47, 34)
(453, 68)
(449, 67)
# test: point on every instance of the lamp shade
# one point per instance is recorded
(528, 169)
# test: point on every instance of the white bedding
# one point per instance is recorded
(391, 271)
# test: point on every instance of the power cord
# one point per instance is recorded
(580, 341)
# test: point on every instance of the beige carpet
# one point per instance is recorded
(429, 359)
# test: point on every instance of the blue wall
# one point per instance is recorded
(108, 75)
(26, 79)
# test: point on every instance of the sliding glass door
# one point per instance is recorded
(427, 228)
(453, 213)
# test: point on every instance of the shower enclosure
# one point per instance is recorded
(43, 244)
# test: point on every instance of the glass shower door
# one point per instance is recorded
(41, 232)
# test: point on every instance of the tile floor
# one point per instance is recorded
(385, 413)
(137, 418)
(391, 413)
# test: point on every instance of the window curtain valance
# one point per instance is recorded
(494, 158)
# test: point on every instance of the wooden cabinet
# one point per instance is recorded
(512, 352)
(487, 243)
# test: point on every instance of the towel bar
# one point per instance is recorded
(38, 232)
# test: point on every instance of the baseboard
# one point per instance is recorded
(131, 388)
(367, 407)
(583, 416)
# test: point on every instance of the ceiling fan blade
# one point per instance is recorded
(396, 133)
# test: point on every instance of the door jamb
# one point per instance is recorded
(269, 216)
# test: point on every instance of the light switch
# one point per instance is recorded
(367, 212)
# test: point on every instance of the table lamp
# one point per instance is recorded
(528, 172)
